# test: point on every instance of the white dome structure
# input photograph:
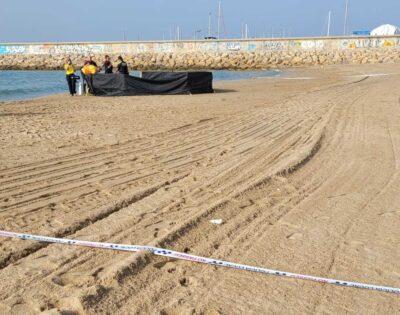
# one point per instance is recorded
(386, 30)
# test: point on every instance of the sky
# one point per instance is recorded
(101, 20)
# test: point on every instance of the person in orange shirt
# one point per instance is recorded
(70, 75)
(88, 70)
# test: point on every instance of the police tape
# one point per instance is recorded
(197, 259)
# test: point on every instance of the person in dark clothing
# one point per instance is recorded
(107, 65)
(122, 67)
(92, 62)
(70, 75)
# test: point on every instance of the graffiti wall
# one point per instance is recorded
(354, 43)
(12, 50)
(256, 45)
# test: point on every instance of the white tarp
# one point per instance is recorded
(386, 29)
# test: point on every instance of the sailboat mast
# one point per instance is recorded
(219, 19)
(345, 18)
(329, 24)
(209, 24)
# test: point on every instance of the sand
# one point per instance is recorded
(305, 175)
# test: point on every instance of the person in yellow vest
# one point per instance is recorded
(88, 70)
(70, 75)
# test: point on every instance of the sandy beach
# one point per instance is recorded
(304, 173)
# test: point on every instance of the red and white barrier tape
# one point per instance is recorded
(198, 259)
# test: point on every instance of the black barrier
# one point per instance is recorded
(152, 83)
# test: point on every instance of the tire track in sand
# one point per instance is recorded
(222, 174)
(258, 129)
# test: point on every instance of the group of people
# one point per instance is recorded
(89, 68)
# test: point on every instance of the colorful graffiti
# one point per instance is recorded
(308, 44)
(51, 49)
(12, 50)
(205, 46)
(369, 43)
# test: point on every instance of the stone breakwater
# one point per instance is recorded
(230, 55)
(231, 61)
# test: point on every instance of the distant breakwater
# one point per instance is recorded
(223, 54)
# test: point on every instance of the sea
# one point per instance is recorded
(22, 85)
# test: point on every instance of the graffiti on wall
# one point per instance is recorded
(233, 46)
(74, 49)
(50, 49)
(208, 46)
(164, 47)
(120, 48)
(369, 43)
(12, 50)
(308, 44)
(276, 45)
(204, 46)
(312, 44)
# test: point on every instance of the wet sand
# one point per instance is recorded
(304, 174)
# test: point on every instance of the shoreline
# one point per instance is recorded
(219, 76)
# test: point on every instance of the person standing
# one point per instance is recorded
(88, 71)
(107, 65)
(70, 76)
(91, 61)
(122, 66)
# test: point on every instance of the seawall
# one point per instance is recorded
(208, 54)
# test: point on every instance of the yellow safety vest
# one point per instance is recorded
(69, 69)
(89, 69)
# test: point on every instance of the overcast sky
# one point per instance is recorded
(100, 20)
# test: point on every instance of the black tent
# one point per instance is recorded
(151, 83)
